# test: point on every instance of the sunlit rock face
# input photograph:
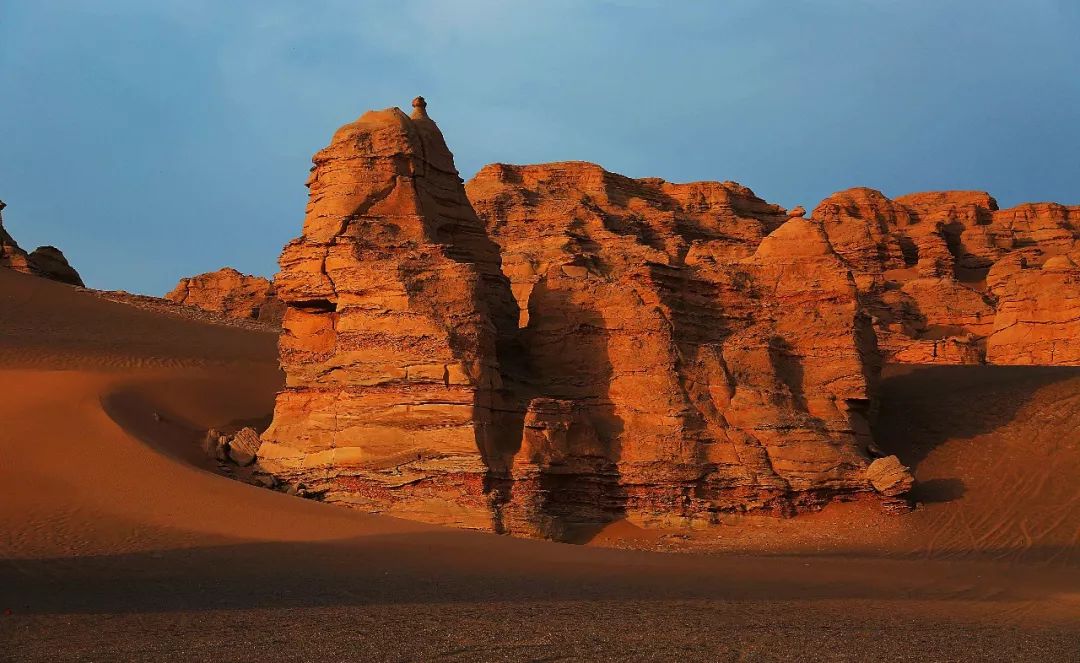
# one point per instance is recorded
(230, 293)
(680, 360)
(922, 262)
(1038, 311)
(581, 347)
(394, 303)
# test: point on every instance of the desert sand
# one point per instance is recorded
(120, 541)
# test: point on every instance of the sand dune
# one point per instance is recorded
(119, 541)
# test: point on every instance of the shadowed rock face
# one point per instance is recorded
(230, 293)
(44, 261)
(922, 264)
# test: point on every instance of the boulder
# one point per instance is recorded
(243, 447)
(889, 476)
(216, 445)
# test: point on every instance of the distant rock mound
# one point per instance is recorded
(45, 261)
(232, 294)
(49, 262)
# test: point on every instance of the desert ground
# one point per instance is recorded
(120, 540)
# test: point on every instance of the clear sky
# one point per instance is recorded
(153, 139)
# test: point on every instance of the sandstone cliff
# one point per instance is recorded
(394, 297)
(922, 261)
(660, 352)
(45, 261)
(230, 293)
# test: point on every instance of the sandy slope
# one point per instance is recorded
(117, 542)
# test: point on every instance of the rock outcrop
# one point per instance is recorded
(922, 262)
(680, 361)
(230, 293)
(44, 261)
(1038, 311)
(394, 299)
(660, 352)
(555, 346)
(11, 256)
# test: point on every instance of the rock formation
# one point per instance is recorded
(554, 346)
(394, 300)
(45, 261)
(1038, 311)
(678, 363)
(230, 293)
(922, 262)
(661, 352)
(11, 256)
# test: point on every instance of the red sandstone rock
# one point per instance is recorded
(889, 476)
(921, 262)
(49, 262)
(677, 367)
(11, 256)
(230, 293)
(585, 346)
(394, 297)
(1038, 311)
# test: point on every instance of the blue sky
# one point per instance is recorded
(153, 139)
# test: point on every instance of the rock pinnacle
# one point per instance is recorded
(419, 109)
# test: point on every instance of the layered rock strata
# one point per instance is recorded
(1038, 311)
(660, 352)
(230, 293)
(555, 346)
(922, 261)
(681, 361)
(394, 298)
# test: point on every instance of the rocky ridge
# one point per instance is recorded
(555, 346)
(950, 278)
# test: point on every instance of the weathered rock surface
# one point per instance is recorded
(678, 363)
(1038, 311)
(241, 447)
(244, 446)
(49, 262)
(394, 295)
(921, 263)
(230, 293)
(45, 261)
(889, 476)
(554, 346)
(656, 353)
